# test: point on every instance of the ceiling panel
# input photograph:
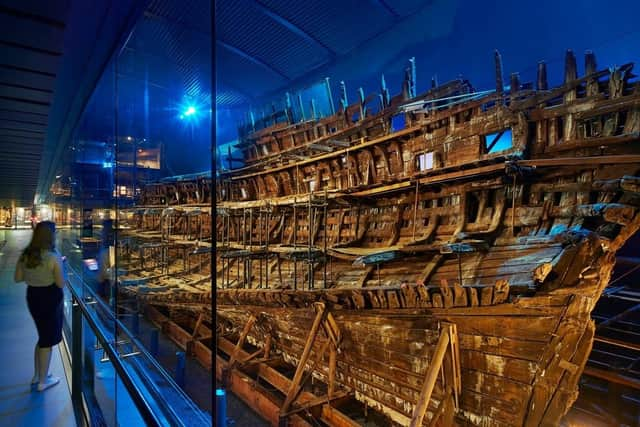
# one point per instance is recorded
(25, 57)
(21, 30)
(28, 94)
(20, 77)
(331, 23)
(31, 45)
(53, 11)
(250, 79)
(406, 7)
(243, 25)
(17, 104)
(22, 116)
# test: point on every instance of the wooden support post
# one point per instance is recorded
(431, 266)
(194, 335)
(447, 340)
(267, 347)
(513, 206)
(415, 212)
(250, 227)
(333, 352)
(279, 270)
(310, 222)
(267, 229)
(243, 336)
(320, 314)
(324, 252)
(260, 248)
(244, 228)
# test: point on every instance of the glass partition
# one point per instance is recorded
(132, 202)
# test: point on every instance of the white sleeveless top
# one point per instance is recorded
(43, 274)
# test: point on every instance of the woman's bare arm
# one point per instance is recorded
(58, 272)
(18, 276)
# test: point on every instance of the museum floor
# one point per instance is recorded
(20, 404)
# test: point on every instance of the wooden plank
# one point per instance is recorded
(293, 390)
(334, 417)
(243, 387)
(430, 379)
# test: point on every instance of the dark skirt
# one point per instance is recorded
(45, 306)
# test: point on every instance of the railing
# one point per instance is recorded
(156, 398)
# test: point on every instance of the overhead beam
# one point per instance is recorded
(293, 27)
(21, 130)
(24, 122)
(25, 101)
(31, 48)
(618, 343)
(384, 5)
(27, 70)
(436, 17)
(32, 16)
(19, 86)
(612, 377)
(13, 110)
(251, 58)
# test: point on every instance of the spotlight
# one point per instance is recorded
(190, 111)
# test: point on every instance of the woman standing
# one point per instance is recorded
(41, 267)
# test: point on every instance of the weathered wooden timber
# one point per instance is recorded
(498, 212)
(443, 273)
(164, 260)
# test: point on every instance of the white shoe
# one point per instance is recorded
(50, 382)
(35, 380)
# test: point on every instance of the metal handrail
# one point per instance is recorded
(136, 394)
(145, 410)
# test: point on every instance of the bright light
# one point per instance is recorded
(129, 138)
(190, 111)
(107, 164)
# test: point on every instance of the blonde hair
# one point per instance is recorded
(42, 240)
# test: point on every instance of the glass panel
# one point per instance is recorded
(162, 174)
(499, 141)
(146, 125)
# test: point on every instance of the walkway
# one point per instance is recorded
(20, 405)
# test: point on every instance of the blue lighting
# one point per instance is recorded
(107, 164)
(219, 392)
(190, 111)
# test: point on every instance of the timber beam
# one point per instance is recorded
(612, 377)
(448, 341)
(189, 342)
(265, 404)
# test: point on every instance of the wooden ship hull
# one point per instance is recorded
(440, 272)
(420, 271)
(164, 261)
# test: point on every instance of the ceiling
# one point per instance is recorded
(31, 44)
(262, 49)
(267, 46)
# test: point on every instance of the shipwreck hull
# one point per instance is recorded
(522, 347)
(423, 271)
(520, 360)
